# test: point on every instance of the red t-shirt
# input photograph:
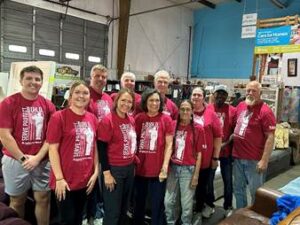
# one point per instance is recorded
(170, 109)
(187, 145)
(28, 121)
(137, 100)
(76, 135)
(213, 129)
(120, 135)
(250, 130)
(151, 136)
(100, 104)
(226, 115)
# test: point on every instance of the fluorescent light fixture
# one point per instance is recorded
(47, 52)
(17, 48)
(94, 59)
(72, 56)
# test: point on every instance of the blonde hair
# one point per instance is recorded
(98, 67)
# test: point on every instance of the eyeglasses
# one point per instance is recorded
(185, 109)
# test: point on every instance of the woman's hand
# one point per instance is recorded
(163, 174)
(109, 181)
(60, 189)
(194, 181)
(91, 183)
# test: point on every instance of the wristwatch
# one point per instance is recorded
(22, 159)
(215, 158)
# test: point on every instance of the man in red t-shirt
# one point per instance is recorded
(101, 103)
(252, 144)
(161, 83)
(226, 114)
(23, 123)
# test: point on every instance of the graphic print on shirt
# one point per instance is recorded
(166, 111)
(221, 116)
(33, 122)
(83, 140)
(180, 144)
(199, 120)
(129, 138)
(149, 135)
(102, 109)
(242, 123)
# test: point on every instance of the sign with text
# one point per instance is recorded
(273, 36)
(249, 19)
(248, 32)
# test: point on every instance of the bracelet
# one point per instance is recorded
(60, 179)
(215, 158)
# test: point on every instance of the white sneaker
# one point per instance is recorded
(85, 222)
(208, 211)
(197, 219)
(228, 212)
(98, 221)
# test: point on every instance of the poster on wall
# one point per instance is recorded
(290, 69)
(65, 75)
(48, 68)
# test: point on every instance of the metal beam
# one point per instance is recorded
(238, 0)
(207, 3)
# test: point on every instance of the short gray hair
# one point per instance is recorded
(162, 73)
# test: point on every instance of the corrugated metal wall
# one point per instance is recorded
(37, 28)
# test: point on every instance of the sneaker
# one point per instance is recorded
(197, 219)
(129, 214)
(228, 212)
(85, 222)
(208, 211)
(98, 221)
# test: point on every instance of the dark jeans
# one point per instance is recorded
(70, 210)
(94, 208)
(157, 189)
(205, 189)
(116, 202)
(226, 171)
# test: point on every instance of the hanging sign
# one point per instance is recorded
(248, 32)
(249, 19)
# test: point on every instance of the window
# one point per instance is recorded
(72, 56)
(47, 52)
(17, 48)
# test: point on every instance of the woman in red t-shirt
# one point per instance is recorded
(182, 181)
(117, 146)
(155, 136)
(71, 134)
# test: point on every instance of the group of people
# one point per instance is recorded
(137, 145)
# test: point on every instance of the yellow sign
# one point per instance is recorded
(277, 49)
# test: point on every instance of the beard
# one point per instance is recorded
(250, 101)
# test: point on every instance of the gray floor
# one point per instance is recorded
(275, 183)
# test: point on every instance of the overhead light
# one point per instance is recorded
(17, 48)
(72, 56)
(94, 59)
(47, 52)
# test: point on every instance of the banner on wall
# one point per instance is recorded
(282, 39)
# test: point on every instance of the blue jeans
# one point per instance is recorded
(245, 173)
(178, 186)
(226, 172)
